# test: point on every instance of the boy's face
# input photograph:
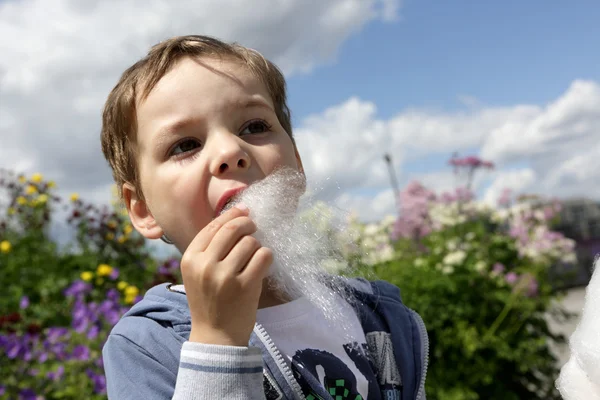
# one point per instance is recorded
(208, 127)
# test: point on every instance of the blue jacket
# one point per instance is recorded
(143, 354)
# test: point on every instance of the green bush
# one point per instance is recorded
(479, 278)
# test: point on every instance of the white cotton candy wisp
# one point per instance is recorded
(300, 249)
(580, 377)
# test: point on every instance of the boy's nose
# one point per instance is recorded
(230, 157)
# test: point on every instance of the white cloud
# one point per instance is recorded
(60, 59)
(551, 150)
(368, 207)
(514, 180)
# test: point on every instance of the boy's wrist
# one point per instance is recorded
(207, 336)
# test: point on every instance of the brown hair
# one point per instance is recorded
(119, 128)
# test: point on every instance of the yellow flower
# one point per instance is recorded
(112, 224)
(110, 236)
(11, 211)
(86, 276)
(22, 179)
(122, 239)
(37, 177)
(42, 198)
(30, 190)
(21, 200)
(131, 291)
(127, 229)
(5, 246)
(124, 212)
(74, 197)
(51, 184)
(104, 270)
(129, 299)
(122, 285)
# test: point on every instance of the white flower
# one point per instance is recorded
(447, 269)
(480, 266)
(455, 258)
(419, 262)
(470, 236)
(452, 245)
(371, 229)
(386, 253)
(570, 258)
(333, 266)
(500, 216)
(388, 221)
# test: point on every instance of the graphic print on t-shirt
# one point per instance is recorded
(333, 374)
(339, 381)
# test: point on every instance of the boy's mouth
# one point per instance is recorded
(227, 199)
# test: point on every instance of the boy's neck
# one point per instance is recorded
(270, 298)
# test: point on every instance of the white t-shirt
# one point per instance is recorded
(336, 357)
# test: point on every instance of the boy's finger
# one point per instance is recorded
(205, 236)
(242, 252)
(226, 238)
(258, 266)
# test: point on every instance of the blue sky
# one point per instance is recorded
(501, 53)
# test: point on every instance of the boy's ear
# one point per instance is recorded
(139, 214)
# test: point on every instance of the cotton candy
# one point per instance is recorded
(580, 377)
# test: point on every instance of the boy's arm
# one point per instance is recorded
(205, 372)
(219, 372)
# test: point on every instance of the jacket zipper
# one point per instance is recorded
(264, 337)
(425, 353)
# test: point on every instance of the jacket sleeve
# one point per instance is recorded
(205, 372)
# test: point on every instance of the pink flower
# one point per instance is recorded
(504, 200)
(511, 278)
(498, 268)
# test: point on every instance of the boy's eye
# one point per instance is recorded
(185, 146)
(254, 127)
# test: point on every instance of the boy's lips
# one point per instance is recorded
(225, 197)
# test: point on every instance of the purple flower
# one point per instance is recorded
(113, 295)
(27, 394)
(93, 332)
(56, 375)
(24, 303)
(511, 278)
(114, 274)
(78, 287)
(99, 381)
(81, 353)
(43, 357)
(59, 350)
(53, 334)
(2, 390)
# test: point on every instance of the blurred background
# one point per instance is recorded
(443, 128)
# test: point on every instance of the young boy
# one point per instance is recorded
(185, 131)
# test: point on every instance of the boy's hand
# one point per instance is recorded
(223, 269)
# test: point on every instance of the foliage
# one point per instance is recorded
(62, 302)
(478, 275)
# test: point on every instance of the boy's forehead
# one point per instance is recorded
(196, 82)
(193, 70)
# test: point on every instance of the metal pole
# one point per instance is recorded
(395, 187)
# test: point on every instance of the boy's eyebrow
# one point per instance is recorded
(253, 102)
